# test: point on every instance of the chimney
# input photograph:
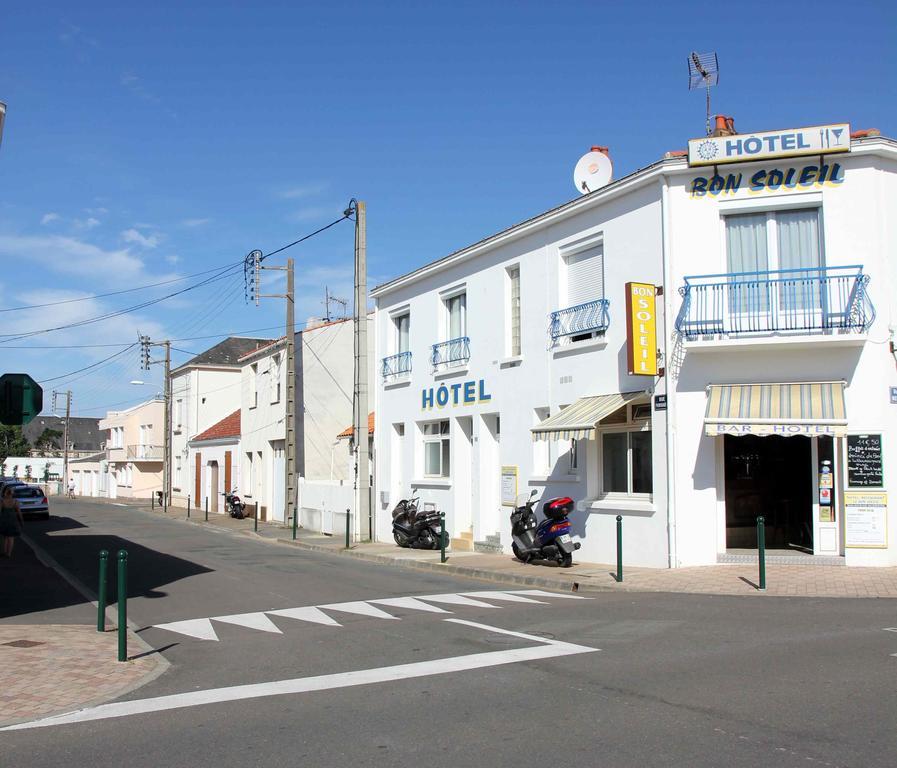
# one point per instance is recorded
(602, 150)
(725, 126)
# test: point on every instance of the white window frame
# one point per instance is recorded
(396, 318)
(274, 369)
(441, 438)
(512, 275)
(629, 427)
(460, 292)
(253, 385)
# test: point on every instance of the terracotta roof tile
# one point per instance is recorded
(227, 427)
(347, 432)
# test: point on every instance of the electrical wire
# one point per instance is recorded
(345, 216)
(88, 367)
(126, 343)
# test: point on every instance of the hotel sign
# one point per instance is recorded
(793, 142)
(641, 329)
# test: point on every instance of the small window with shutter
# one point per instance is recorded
(585, 275)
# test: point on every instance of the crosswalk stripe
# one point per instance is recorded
(411, 603)
(201, 629)
(309, 613)
(361, 608)
(456, 600)
(251, 621)
(507, 596)
(543, 593)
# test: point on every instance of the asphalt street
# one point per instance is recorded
(620, 679)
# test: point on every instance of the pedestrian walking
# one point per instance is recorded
(11, 521)
(71, 487)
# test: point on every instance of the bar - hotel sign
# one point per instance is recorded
(793, 142)
(641, 329)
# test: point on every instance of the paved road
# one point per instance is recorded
(679, 680)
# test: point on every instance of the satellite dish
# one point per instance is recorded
(593, 171)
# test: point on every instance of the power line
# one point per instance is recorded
(88, 367)
(345, 216)
(127, 343)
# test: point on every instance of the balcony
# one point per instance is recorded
(145, 453)
(454, 353)
(582, 320)
(822, 301)
(396, 366)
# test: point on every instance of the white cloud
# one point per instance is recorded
(303, 190)
(69, 255)
(194, 222)
(133, 236)
(97, 211)
(314, 212)
(48, 218)
(88, 223)
(172, 258)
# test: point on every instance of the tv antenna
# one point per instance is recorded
(703, 71)
(329, 297)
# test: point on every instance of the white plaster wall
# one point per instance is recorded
(209, 452)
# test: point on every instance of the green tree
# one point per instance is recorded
(27, 471)
(12, 442)
(48, 441)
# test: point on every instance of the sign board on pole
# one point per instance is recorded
(792, 142)
(641, 329)
(21, 399)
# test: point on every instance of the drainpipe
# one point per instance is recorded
(670, 421)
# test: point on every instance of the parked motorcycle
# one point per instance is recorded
(548, 540)
(414, 528)
(233, 505)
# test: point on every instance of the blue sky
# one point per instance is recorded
(149, 142)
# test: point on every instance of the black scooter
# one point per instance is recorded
(233, 505)
(548, 540)
(413, 528)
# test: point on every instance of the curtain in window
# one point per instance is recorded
(456, 308)
(746, 252)
(798, 241)
(403, 327)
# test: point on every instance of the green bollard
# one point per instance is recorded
(122, 597)
(152, 501)
(348, 527)
(619, 548)
(207, 509)
(442, 537)
(101, 592)
(761, 551)
(255, 518)
(295, 521)
(188, 507)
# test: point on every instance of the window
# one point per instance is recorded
(626, 467)
(585, 274)
(403, 333)
(545, 452)
(274, 378)
(177, 471)
(456, 311)
(249, 476)
(253, 385)
(772, 241)
(574, 462)
(178, 413)
(514, 311)
(437, 449)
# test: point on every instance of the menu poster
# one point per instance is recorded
(866, 519)
(508, 486)
(864, 462)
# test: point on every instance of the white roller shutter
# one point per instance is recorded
(585, 275)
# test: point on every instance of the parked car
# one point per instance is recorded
(32, 501)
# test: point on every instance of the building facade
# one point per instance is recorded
(526, 361)
(214, 455)
(134, 449)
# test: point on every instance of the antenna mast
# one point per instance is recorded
(329, 297)
(703, 71)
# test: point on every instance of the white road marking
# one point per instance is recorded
(890, 629)
(116, 504)
(201, 629)
(307, 614)
(411, 603)
(456, 600)
(361, 608)
(251, 621)
(507, 596)
(545, 649)
(543, 593)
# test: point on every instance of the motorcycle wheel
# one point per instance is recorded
(523, 558)
(566, 560)
(401, 540)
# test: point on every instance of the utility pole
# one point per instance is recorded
(291, 481)
(65, 435)
(360, 416)
(145, 344)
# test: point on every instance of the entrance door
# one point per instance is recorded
(213, 486)
(466, 481)
(769, 476)
(489, 509)
(279, 480)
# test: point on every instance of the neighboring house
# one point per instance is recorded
(774, 314)
(346, 440)
(325, 362)
(204, 390)
(134, 448)
(91, 475)
(84, 435)
(214, 456)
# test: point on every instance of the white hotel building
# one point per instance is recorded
(504, 364)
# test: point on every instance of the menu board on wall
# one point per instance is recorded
(866, 519)
(508, 486)
(864, 462)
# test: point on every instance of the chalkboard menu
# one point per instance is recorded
(864, 467)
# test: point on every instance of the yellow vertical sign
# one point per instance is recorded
(641, 329)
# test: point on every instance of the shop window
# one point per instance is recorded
(437, 449)
(626, 466)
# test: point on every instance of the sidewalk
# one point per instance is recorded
(735, 579)
(52, 659)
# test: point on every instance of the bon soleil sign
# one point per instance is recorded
(793, 142)
(768, 180)
(462, 393)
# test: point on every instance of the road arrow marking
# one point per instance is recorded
(201, 629)
(411, 603)
(251, 621)
(545, 649)
(361, 608)
(307, 614)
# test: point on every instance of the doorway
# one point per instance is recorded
(213, 485)
(770, 476)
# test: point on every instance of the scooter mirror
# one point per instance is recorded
(533, 492)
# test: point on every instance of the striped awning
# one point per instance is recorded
(577, 421)
(808, 408)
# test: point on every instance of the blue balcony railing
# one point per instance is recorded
(451, 353)
(591, 317)
(788, 300)
(396, 365)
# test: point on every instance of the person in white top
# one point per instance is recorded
(72, 488)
